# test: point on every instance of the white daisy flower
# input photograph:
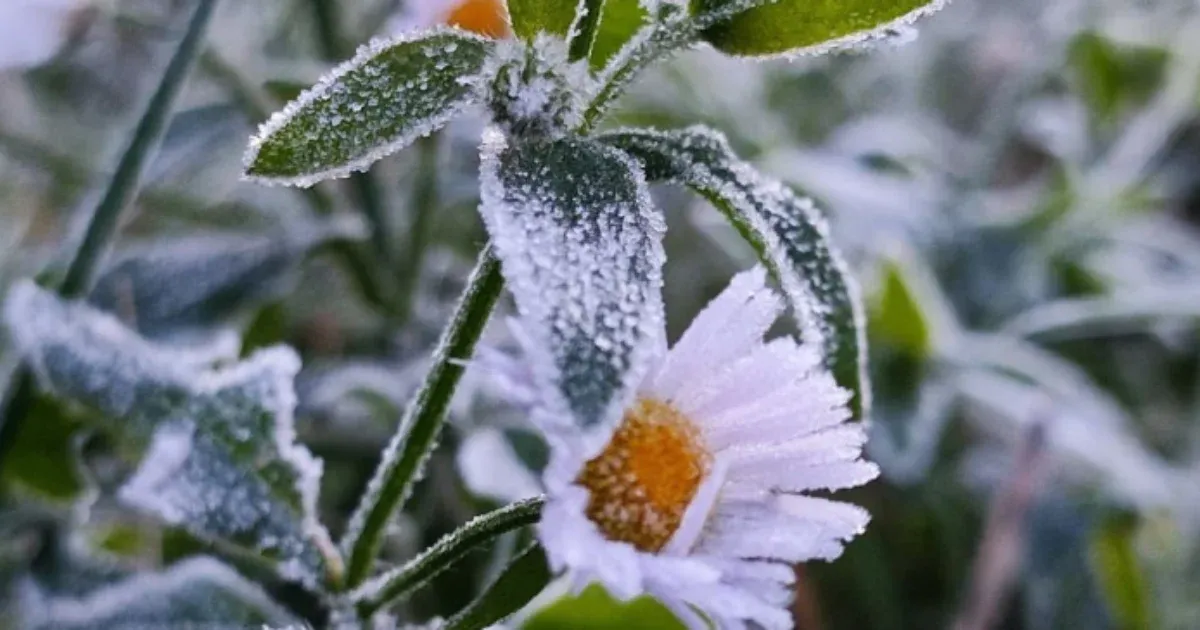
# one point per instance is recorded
(485, 17)
(698, 497)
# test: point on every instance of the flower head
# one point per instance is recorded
(697, 497)
(485, 17)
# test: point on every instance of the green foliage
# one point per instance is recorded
(594, 608)
(520, 582)
(896, 317)
(530, 17)
(44, 458)
(621, 21)
(1118, 569)
(786, 231)
(390, 94)
(810, 26)
(1113, 78)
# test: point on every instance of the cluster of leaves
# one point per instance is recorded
(135, 396)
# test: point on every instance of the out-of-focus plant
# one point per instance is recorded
(149, 387)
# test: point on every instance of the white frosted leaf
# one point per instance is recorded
(196, 593)
(222, 458)
(788, 232)
(175, 285)
(581, 247)
(389, 94)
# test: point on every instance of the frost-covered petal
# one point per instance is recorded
(729, 328)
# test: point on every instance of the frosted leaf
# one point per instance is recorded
(801, 27)
(581, 247)
(196, 593)
(788, 232)
(388, 95)
(172, 286)
(222, 458)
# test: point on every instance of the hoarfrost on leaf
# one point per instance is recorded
(580, 243)
(391, 93)
(787, 230)
(196, 593)
(222, 458)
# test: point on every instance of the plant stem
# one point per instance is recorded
(118, 195)
(422, 422)
(403, 580)
(123, 186)
(424, 205)
(585, 36)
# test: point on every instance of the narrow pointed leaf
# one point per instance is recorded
(196, 593)
(581, 246)
(520, 582)
(787, 231)
(530, 17)
(620, 22)
(388, 95)
(811, 26)
(221, 460)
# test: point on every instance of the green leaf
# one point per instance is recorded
(595, 609)
(1113, 77)
(530, 17)
(618, 24)
(44, 458)
(810, 26)
(1116, 566)
(199, 592)
(897, 318)
(520, 582)
(222, 459)
(787, 231)
(391, 93)
(581, 247)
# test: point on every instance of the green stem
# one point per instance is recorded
(424, 205)
(521, 581)
(585, 36)
(422, 422)
(122, 188)
(416, 572)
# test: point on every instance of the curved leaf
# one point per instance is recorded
(388, 95)
(530, 17)
(811, 26)
(788, 233)
(222, 458)
(581, 246)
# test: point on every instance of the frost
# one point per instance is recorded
(391, 93)
(787, 230)
(537, 90)
(196, 593)
(581, 246)
(222, 459)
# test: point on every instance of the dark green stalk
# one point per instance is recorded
(439, 557)
(118, 195)
(422, 422)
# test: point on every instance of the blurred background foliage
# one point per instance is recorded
(1017, 184)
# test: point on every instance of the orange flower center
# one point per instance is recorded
(485, 17)
(641, 484)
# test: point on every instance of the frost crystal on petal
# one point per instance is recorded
(787, 230)
(580, 242)
(222, 459)
(388, 95)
